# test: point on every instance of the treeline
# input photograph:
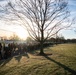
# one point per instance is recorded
(61, 40)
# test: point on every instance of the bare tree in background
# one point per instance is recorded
(42, 18)
(14, 37)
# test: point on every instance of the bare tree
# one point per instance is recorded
(14, 37)
(42, 18)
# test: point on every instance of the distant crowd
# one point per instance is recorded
(13, 49)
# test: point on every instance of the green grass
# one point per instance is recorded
(61, 62)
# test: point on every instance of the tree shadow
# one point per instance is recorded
(61, 65)
(17, 57)
(4, 62)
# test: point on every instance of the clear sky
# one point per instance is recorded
(8, 28)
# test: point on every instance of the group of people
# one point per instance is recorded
(11, 49)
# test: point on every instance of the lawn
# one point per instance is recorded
(60, 60)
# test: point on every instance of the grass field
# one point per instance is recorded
(61, 62)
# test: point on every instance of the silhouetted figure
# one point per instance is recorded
(6, 55)
(0, 51)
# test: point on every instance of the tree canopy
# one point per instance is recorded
(41, 18)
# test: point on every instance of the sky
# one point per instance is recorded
(8, 28)
(70, 33)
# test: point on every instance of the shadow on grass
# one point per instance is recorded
(4, 62)
(18, 58)
(61, 65)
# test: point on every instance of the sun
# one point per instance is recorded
(22, 33)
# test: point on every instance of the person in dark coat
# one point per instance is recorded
(0, 51)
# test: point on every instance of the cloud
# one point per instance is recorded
(2, 2)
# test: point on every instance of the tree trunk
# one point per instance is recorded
(41, 49)
(42, 42)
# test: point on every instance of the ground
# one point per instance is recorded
(60, 60)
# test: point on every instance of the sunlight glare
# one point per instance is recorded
(22, 33)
